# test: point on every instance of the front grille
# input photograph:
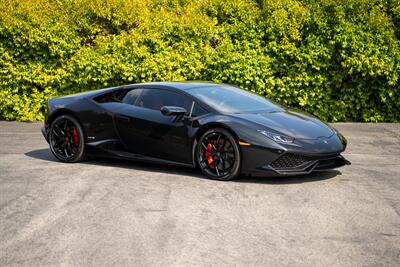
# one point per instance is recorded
(290, 161)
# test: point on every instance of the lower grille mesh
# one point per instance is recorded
(290, 161)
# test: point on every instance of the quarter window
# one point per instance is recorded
(198, 111)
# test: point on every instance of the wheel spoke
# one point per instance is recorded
(55, 133)
(203, 160)
(205, 147)
(58, 144)
(59, 139)
(65, 125)
(219, 137)
(222, 161)
(230, 159)
(216, 169)
(57, 127)
(224, 144)
(69, 148)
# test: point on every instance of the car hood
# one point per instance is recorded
(290, 123)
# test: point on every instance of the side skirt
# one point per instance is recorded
(109, 148)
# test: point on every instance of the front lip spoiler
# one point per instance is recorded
(346, 162)
(339, 161)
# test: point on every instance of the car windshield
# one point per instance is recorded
(228, 99)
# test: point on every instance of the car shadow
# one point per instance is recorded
(43, 154)
(46, 155)
(298, 179)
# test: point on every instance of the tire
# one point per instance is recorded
(218, 155)
(66, 139)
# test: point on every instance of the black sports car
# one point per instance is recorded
(223, 130)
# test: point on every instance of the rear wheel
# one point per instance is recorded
(66, 139)
(218, 155)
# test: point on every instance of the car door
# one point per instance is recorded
(146, 131)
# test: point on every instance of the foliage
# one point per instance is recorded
(337, 59)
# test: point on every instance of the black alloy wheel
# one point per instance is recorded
(218, 155)
(66, 139)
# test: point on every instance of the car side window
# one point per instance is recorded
(198, 110)
(132, 96)
(157, 98)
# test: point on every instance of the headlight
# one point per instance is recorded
(279, 138)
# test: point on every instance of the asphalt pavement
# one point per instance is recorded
(120, 213)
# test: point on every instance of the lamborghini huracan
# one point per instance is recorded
(221, 129)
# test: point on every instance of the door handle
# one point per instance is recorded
(122, 118)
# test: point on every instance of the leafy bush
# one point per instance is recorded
(337, 59)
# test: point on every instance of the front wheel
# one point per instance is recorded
(218, 155)
(66, 139)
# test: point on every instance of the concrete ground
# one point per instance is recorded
(118, 213)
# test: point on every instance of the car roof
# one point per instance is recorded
(182, 85)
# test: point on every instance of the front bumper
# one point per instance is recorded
(272, 162)
(293, 164)
(45, 133)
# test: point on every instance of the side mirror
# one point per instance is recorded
(173, 111)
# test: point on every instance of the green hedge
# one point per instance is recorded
(337, 59)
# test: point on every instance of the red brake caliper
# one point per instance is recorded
(209, 157)
(75, 136)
